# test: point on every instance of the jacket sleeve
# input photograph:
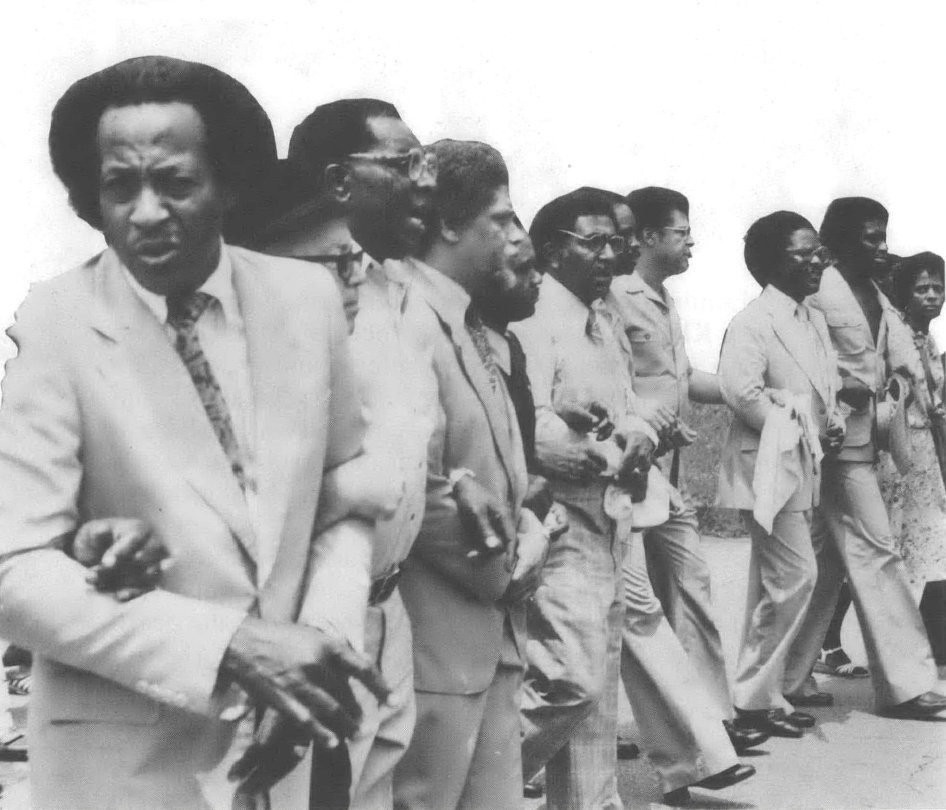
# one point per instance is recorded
(163, 645)
(742, 367)
(339, 572)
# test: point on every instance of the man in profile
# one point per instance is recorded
(851, 531)
(178, 381)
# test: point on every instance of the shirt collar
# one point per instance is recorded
(219, 285)
(451, 296)
(777, 300)
(557, 302)
(636, 284)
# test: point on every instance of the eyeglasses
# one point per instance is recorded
(806, 256)
(414, 162)
(345, 263)
(596, 242)
(684, 232)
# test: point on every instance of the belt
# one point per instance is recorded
(384, 586)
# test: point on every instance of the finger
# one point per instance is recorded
(501, 521)
(127, 594)
(151, 553)
(246, 763)
(276, 765)
(90, 542)
(326, 710)
(487, 537)
(358, 666)
(128, 540)
(265, 688)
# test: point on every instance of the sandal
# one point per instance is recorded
(19, 680)
(836, 662)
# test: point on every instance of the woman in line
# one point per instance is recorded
(916, 502)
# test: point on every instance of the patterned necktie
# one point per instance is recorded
(477, 330)
(183, 313)
(597, 322)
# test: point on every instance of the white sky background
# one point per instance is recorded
(745, 107)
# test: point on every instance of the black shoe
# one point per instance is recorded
(811, 699)
(921, 707)
(744, 738)
(627, 750)
(718, 781)
(772, 721)
(800, 720)
(533, 790)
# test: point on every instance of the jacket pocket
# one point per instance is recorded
(847, 334)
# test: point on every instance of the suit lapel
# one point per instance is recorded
(171, 401)
(279, 399)
(473, 370)
(790, 334)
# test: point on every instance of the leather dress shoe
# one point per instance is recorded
(772, 721)
(800, 720)
(744, 738)
(926, 705)
(533, 790)
(627, 750)
(811, 699)
(718, 781)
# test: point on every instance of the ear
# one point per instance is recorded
(649, 236)
(449, 233)
(338, 181)
(552, 255)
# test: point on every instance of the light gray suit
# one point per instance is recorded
(851, 530)
(768, 346)
(100, 418)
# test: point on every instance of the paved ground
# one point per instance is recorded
(852, 759)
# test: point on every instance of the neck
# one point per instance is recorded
(854, 276)
(919, 323)
(651, 274)
(495, 322)
(565, 282)
(444, 259)
(796, 296)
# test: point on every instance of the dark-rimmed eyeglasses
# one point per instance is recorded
(412, 163)
(686, 233)
(596, 242)
(345, 263)
(808, 256)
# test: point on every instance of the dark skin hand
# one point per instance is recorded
(122, 555)
(277, 747)
(303, 673)
(539, 496)
(855, 393)
(590, 418)
(485, 520)
(638, 455)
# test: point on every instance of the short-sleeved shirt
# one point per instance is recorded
(660, 364)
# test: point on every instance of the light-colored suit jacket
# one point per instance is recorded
(457, 616)
(860, 356)
(100, 418)
(764, 348)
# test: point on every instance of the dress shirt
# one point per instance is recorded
(660, 364)
(398, 390)
(800, 320)
(222, 336)
(568, 363)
